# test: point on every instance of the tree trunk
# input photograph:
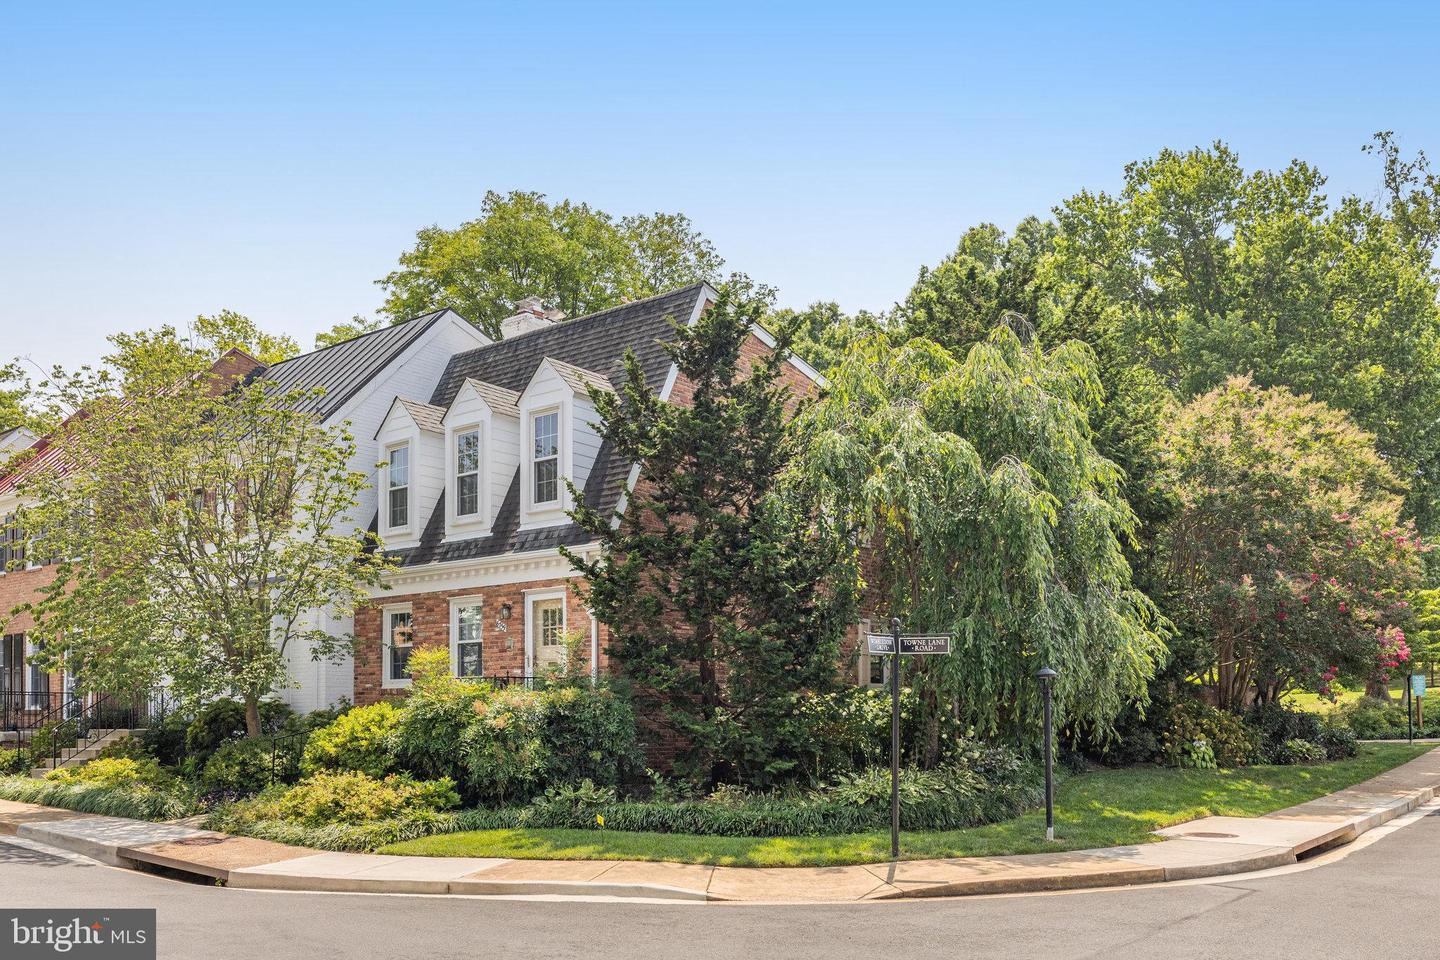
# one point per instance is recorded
(1374, 688)
(252, 715)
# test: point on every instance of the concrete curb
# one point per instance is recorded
(1208, 847)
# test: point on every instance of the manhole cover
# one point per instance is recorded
(1207, 835)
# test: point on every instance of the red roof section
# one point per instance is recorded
(44, 455)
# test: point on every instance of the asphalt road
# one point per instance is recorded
(1376, 902)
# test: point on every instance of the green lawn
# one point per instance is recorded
(1102, 809)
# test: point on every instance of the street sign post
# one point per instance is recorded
(914, 645)
(1417, 692)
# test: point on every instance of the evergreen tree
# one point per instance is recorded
(719, 585)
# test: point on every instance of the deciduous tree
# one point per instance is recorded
(198, 522)
(1287, 552)
(573, 257)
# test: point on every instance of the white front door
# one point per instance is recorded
(547, 632)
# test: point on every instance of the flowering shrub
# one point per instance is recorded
(1229, 742)
(1287, 548)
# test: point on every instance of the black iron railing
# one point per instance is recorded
(277, 754)
(80, 721)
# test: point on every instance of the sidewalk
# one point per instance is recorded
(1212, 846)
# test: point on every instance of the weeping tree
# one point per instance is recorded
(978, 483)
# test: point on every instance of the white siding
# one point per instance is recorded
(319, 683)
(505, 450)
(546, 391)
(414, 374)
(586, 442)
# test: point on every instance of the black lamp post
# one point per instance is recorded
(1046, 678)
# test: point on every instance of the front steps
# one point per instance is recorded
(75, 756)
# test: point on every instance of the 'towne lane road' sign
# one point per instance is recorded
(913, 645)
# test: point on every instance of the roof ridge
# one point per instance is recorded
(368, 333)
(597, 313)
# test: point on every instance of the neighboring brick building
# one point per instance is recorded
(473, 499)
(27, 693)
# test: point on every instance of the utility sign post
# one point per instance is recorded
(880, 645)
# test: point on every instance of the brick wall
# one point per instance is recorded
(503, 653)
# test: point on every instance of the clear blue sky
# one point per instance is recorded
(158, 161)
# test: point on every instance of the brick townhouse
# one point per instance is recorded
(28, 694)
(473, 500)
(469, 442)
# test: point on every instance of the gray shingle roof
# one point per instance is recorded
(343, 369)
(579, 379)
(426, 417)
(595, 343)
(501, 401)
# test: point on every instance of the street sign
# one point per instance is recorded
(1417, 684)
(918, 644)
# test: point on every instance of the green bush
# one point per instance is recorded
(114, 772)
(1276, 726)
(352, 797)
(505, 756)
(847, 730)
(429, 739)
(223, 720)
(1231, 742)
(588, 733)
(1297, 751)
(132, 747)
(247, 766)
(15, 761)
(360, 739)
(1338, 742)
(164, 738)
(1373, 719)
(135, 800)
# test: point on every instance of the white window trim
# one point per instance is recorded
(481, 518)
(385, 529)
(552, 508)
(456, 603)
(385, 646)
(532, 627)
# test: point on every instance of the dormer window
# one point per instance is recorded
(397, 494)
(467, 473)
(545, 465)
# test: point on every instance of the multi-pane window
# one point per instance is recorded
(398, 494)
(467, 473)
(37, 682)
(546, 460)
(12, 661)
(12, 544)
(398, 639)
(552, 622)
(468, 643)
